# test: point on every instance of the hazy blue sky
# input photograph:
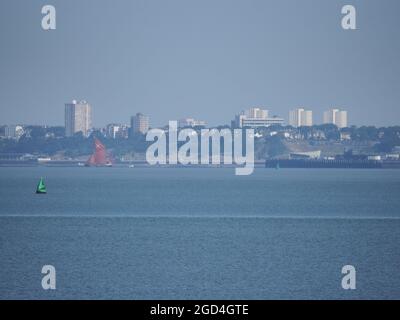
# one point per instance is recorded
(206, 59)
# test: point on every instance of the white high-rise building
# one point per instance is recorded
(256, 113)
(78, 118)
(341, 119)
(307, 118)
(300, 118)
(337, 117)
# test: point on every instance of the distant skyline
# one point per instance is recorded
(204, 59)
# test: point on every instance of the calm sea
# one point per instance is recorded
(148, 233)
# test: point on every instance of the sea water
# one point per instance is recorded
(197, 233)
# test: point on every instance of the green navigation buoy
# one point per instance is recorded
(41, 188)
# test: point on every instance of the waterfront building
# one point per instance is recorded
(255, 118)
(300, 118)
(337, 117)
(78, 118)
(140, 123)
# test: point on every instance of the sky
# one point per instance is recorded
(207, 59)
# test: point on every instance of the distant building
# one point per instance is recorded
(190, 122)
(394, 156)
(337, 117)
(318, 135)
(78, 118)
(13, 131)
(374, 158)
(396, 149)
(256, 113)
(256, 123)
(300, 118)
(345, 136)
(140, 123)
(254, 118)
(115, 131)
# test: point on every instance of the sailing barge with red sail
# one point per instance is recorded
(99, 158)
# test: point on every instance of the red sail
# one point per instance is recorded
(99, 157)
